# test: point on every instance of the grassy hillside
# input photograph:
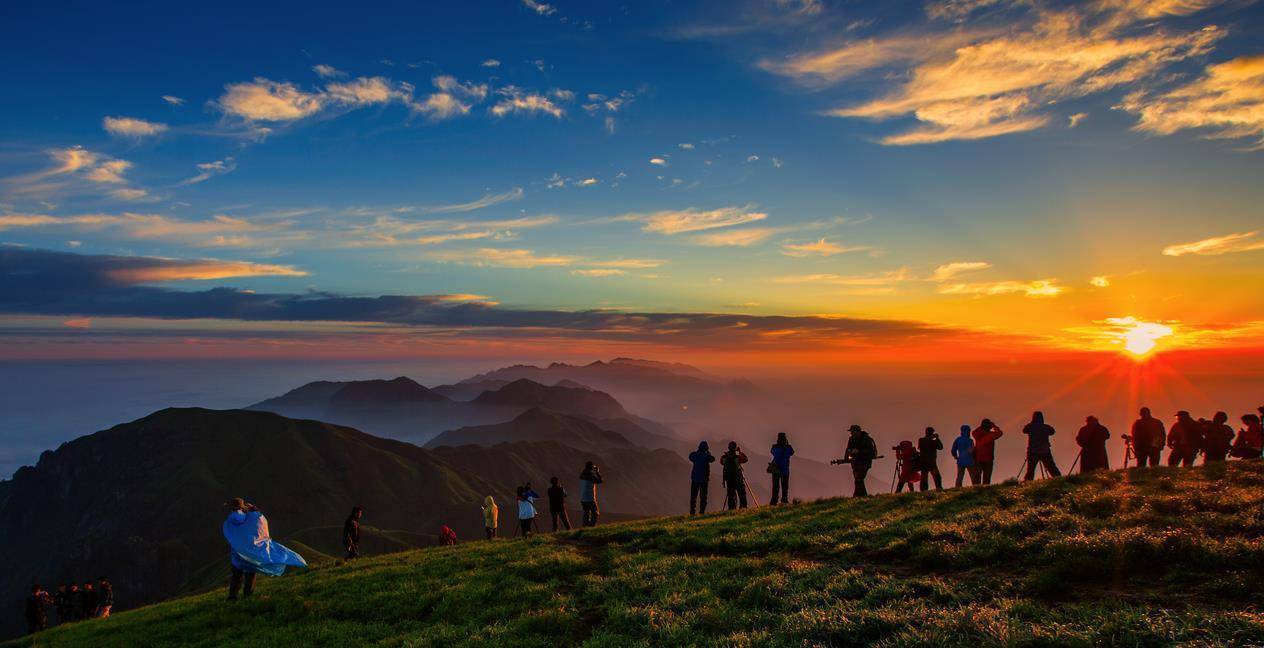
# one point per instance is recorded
(1144, 557)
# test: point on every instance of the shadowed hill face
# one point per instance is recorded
(1146, 557)
(371, 392)
(537, 424)
(574, 400)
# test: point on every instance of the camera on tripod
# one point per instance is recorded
(1127, 438)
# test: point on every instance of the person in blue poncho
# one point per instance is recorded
(251, 549)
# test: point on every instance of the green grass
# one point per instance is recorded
(1139, 558)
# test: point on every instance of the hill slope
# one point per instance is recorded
(1144, 557)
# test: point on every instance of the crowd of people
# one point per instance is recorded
(72, 602)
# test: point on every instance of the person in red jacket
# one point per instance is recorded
(1250, 441)
(1092, 439)
(985, 437)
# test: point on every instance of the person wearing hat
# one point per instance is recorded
(860, 453)
(1184, 439)
(251, 548)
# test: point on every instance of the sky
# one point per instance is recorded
(789, 182)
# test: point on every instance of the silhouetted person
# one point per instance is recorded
(699, 477)
(985, 437)
(61, 603)
(909, 466)
(557, 505)
(588, 480)
(1148, 438)
(75, 602)
(734, 478)
(90, 599)
(105, 597)
(526, 510)
(1184, 439)
(1217, 438)
(251, 548)
(1092, 440)
(860, 453)
(963, 452)
(491, 517)
(1250, 441)
(928, 448)
(781, 453)
(1038, 449)
(36, 613)
(447, 537)
(351, 533)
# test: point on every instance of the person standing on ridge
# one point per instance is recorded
(700, 477)
(36, 614)
(985, 437)
(780, 467)
(734, 478)
(963, 452)
(908, 466)
(61, 603)
(557, 504)
(1148, 438)
(105, 598)
(588, 480)
(90, 599)
(1217, 439)
(1092, 440)
(526, 510)
(1250, 441)
(252, 550)
(75, 602)
(860, 453)
(1184, 439)
(1038, 448)
(928, 448)
(491, 517)
(351, 533)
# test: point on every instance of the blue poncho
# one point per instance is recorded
(251, 549)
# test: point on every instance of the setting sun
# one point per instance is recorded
(1140, 338)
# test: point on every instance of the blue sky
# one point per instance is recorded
(937, 162)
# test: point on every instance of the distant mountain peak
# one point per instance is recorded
(395, 390)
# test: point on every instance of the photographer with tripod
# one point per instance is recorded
(1039, 451)
(860, 453)
(734, 478)
(1092, 440)
(928, 448)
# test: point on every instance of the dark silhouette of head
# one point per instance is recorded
(1183, 415)
(553, 481)
(1220, 418)
(732, 445)
(74, 587)
(589, 465)
(103, 580)
(1145, 412)
(1038, 418)
(965, 429)
(1090, 419)
(855, 429)
(781, 439)
(236, 504)
(357, 512)
(87, 585)
(1250, 419)
(930, 431)
(702, 445)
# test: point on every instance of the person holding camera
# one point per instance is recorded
(700, 477)
(1148, 438)
(928, 448)
(734, 478)
(963, 452)
(985, 437)
(779, 467)
(1092, 439)
(588, 480)
(1039, 450)
(860, 453)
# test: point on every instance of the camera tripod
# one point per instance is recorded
(1044, 474)
(1129, 453)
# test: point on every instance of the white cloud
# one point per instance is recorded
(488, 200)
(752, 158)
(327, 71)
(503, 258)
(173, 100)
(491, 62)
(820, 247)
(1216, 245)
(949, 271)
(744, 237)
(776, 163)
(679, 221)
(1075, 119)
(686, 145)
(132, 127)
(265, 100)
(598, 272)
(587, 182)
(885, 279)
(658, 161)
(540, 7)
(109, 172)
(516, 100)
(208, 170)
(1038, 288)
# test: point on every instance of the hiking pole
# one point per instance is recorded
(1021, 468)
(895, 480)
(750, 492)
(1076, 462)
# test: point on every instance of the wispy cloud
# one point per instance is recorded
(173, 100)
(77, 169)
(264, 100)
(327, 71)
(515, 100)
(1239, 242)
(744, 237)
(1227, 102)
(598, 272)
(819, 247)
(883, 279)
(539, 7)
(502, 258)
(132, 127)
(679, 221)
(208, 170)
(491, 63)
(1038, 288)
(488, 200)
(950, 270)
(979, 82)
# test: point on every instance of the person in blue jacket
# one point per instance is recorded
(963, 452)
(780, 469)
(699, 478)
(251, 548)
